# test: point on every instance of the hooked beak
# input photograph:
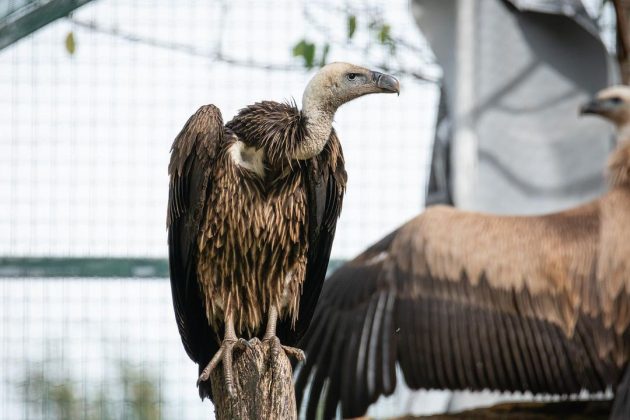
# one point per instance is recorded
(387, 83)
(597, 106)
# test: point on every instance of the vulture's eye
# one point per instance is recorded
(351, 76)
(615, 100)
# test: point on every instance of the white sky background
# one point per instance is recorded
(84, 140)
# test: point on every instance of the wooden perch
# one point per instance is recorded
(263, 385)
(561, 410)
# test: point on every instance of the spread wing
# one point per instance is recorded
(326, 182)
(190, 170)
(463, 301)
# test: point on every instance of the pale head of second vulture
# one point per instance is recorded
(253, 206)
(612, 103)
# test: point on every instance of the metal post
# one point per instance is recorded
(464, 156)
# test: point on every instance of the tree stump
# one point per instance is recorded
(263, 385)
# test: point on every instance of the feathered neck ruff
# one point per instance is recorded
(280, 128)
(619, 165)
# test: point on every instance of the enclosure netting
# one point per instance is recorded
(89, 107)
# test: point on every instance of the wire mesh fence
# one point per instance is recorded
(97, 349)
(87, 134)
(89, 106)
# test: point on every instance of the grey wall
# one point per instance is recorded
(514, 82)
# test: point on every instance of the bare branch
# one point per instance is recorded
(183, 48)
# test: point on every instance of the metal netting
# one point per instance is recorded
(89, 106)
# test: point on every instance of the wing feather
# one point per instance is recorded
(325, 177)
(481, 373)
(190, 169)
(334, 387)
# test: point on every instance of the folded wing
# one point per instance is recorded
(190, 169)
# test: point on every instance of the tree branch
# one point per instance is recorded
(217, 56)
(263, 385)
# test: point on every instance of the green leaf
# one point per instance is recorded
(322, 61)
(306, 50)
(352, 26)
(71, 45)
(298, 49)
(384, 34)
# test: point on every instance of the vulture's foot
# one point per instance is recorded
(224, 355)
(289, 351)
(276, 346)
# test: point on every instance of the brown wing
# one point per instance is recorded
(190, 170)
(462, 301)
(325, 178)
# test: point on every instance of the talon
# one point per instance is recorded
(270, 335)
(289, 351)
(298, 354)
(244, 344)
(275, 340)
(205, 374)
(223, 355)
(231, 391)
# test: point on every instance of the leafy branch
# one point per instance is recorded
(376, 36)
(365, 31)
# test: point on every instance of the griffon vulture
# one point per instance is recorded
(461, 300)
(252, 211)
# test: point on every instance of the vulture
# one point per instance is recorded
(252, 210)
(462, 300)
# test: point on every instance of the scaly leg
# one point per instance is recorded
(225, 355)
(270, 334)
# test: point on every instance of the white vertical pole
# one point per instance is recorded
(464, 155)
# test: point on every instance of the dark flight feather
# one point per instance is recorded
(192, 155)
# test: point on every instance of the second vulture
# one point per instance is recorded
(462, 300)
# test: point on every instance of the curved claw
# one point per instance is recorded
(294, 352)
(289, 351)
(225, 355)
(244, 344)
(205, 374)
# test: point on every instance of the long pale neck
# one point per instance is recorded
(318, 127)
(623, 134)
(619, 163)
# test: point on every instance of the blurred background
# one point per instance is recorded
(92, 94)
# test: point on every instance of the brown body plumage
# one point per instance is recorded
(463, 300)
(253, 206)
(265, 231)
